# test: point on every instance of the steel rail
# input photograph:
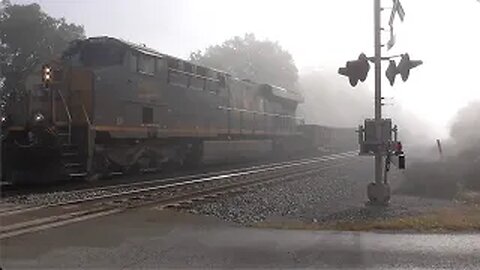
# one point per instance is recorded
(150, 185)
(272, 175)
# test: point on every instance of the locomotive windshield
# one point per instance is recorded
(96, 54)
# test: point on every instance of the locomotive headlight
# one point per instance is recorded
(3, 119)
(38, 117)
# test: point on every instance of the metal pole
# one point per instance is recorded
(1, 142)
(378, 91)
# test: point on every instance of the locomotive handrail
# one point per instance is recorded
(260, 113)
(85, 114)
(193, 74)
(69, 116)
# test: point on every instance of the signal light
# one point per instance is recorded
(391, 72)
(398, 147)
(403, 68)
(356, 70)
(46, 75)
(406, 64)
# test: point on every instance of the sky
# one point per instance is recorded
(320, 34)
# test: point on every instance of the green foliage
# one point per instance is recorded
(253, 59)
(29, 37)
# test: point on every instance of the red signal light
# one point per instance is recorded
(398, 148)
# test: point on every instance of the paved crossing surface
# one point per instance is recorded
(153, 238)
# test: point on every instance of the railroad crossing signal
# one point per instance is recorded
(46, 75)
(356, 70)
(378, 192)
(403, 68)
(391, 72)
(396, 9)
(406, 64)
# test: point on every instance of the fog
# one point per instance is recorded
(331, 101)
(457, 168)
(320, 35)
(465, 129)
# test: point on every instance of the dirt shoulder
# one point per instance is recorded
(458, 218)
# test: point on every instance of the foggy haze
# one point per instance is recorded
(330, 101)
(320, 35)
(446, 175)
(465, 130)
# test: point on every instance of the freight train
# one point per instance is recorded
(109, 105)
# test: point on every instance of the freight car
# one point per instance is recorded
(109, 105)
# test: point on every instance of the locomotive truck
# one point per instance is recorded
(109, 105)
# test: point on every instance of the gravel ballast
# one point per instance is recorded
(335, 194)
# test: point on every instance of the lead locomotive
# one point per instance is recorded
(109, 105)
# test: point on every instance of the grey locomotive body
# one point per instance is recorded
(111, 105)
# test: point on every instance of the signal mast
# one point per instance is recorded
(375, 136)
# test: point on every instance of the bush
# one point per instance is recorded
(431, 179)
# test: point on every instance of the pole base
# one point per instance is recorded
(378, 194)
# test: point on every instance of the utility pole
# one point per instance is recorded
(378, 90)
(1, 143)
(378, 192)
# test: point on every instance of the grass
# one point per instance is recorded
(468, 197)
(454, 219)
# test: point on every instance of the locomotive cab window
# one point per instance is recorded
(100, 55)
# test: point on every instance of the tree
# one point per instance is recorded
(261, 61)
(29, 37)
(465, 128)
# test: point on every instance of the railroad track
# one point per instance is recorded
(171, 192)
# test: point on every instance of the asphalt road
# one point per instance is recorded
(152, 239)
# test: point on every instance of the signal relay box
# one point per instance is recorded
(367, 136)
